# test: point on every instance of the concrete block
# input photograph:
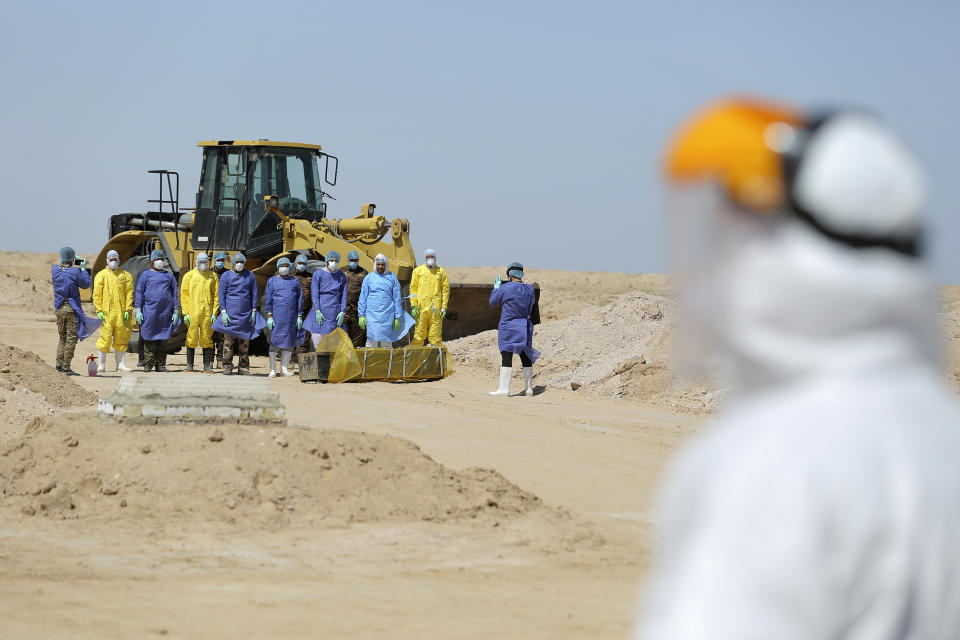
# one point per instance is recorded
(185, 412)
(153, 410)
(221, 412)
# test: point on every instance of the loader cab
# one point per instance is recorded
(235, 177)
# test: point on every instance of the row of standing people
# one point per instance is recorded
(219, 309)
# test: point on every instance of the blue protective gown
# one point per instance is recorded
(238, 297)
(515, 334)
(380, 302)
(156, 297)
(283, 299)
(328, 291)
(66, 287)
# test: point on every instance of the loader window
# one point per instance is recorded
(289, 177)
(233, 181)
(208, 179)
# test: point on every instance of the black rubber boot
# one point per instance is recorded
(208, 360)
(191, 356)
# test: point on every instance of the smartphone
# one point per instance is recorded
(77, 261)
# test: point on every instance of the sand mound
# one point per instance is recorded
(80, 467)
(26, 369)
(618, 350)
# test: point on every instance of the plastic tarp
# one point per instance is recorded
(369, 364)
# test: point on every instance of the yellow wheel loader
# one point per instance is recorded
(266, 199)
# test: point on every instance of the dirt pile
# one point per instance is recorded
(80, 467)
(29, 388)
(950, 321)
(25, 369)
(564, 293)
(619, 350)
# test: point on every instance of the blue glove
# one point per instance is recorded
(186, 319)
(139, 315)
(340, 319)
(224, 318)
(253, 317)
(299, 323)
(496, 283)
(83, 263)
(396, 324)
(318, 317)
(270, 323)
(443, 313)
(174, 317)
(213, 318)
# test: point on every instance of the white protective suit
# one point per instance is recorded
(825, 503)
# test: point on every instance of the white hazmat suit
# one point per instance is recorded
(824, 504)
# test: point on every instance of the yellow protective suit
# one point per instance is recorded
(112, 295)
(198, 299)
(429, 292)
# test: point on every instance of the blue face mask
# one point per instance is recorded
(354, 265)
(301, 266)
(219, 264)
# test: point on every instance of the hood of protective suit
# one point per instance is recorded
(791, 303)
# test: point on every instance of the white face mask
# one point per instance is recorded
(238, 266)
(301, 266)
(113, 264)
(431, 262)
(201, 266)
(332, 265)
(283, 270)
(158, 264)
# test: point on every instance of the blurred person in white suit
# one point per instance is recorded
(824, 503)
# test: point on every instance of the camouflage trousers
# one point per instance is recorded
(154, 354)
(67, 327)
(351, 324)
(243, 348)
(218, 346)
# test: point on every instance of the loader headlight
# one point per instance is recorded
(273, 201)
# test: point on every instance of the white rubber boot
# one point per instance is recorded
(505, 374)
(285, 362)
(272, 355)
(101, 361)
(121, 357)
(528, 381)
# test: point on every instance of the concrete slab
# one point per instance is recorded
(183, 397)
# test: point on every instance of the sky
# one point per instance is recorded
(503, 131)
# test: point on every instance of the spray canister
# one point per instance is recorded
(91, 365)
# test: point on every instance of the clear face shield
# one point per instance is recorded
(708, 237)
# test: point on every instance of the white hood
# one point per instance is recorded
(792, 303)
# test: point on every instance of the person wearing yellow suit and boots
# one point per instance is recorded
(429, 295)
(113, 299)
(199, 303)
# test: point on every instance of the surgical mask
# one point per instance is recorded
(219, 263)
(353, 265)
(431, 262)
(332, 264)
(201, 266)
(301, 266)
(158, 264)
(284, 271)
(113, 264)
(238, 266)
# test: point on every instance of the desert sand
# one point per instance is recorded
(426, 510)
